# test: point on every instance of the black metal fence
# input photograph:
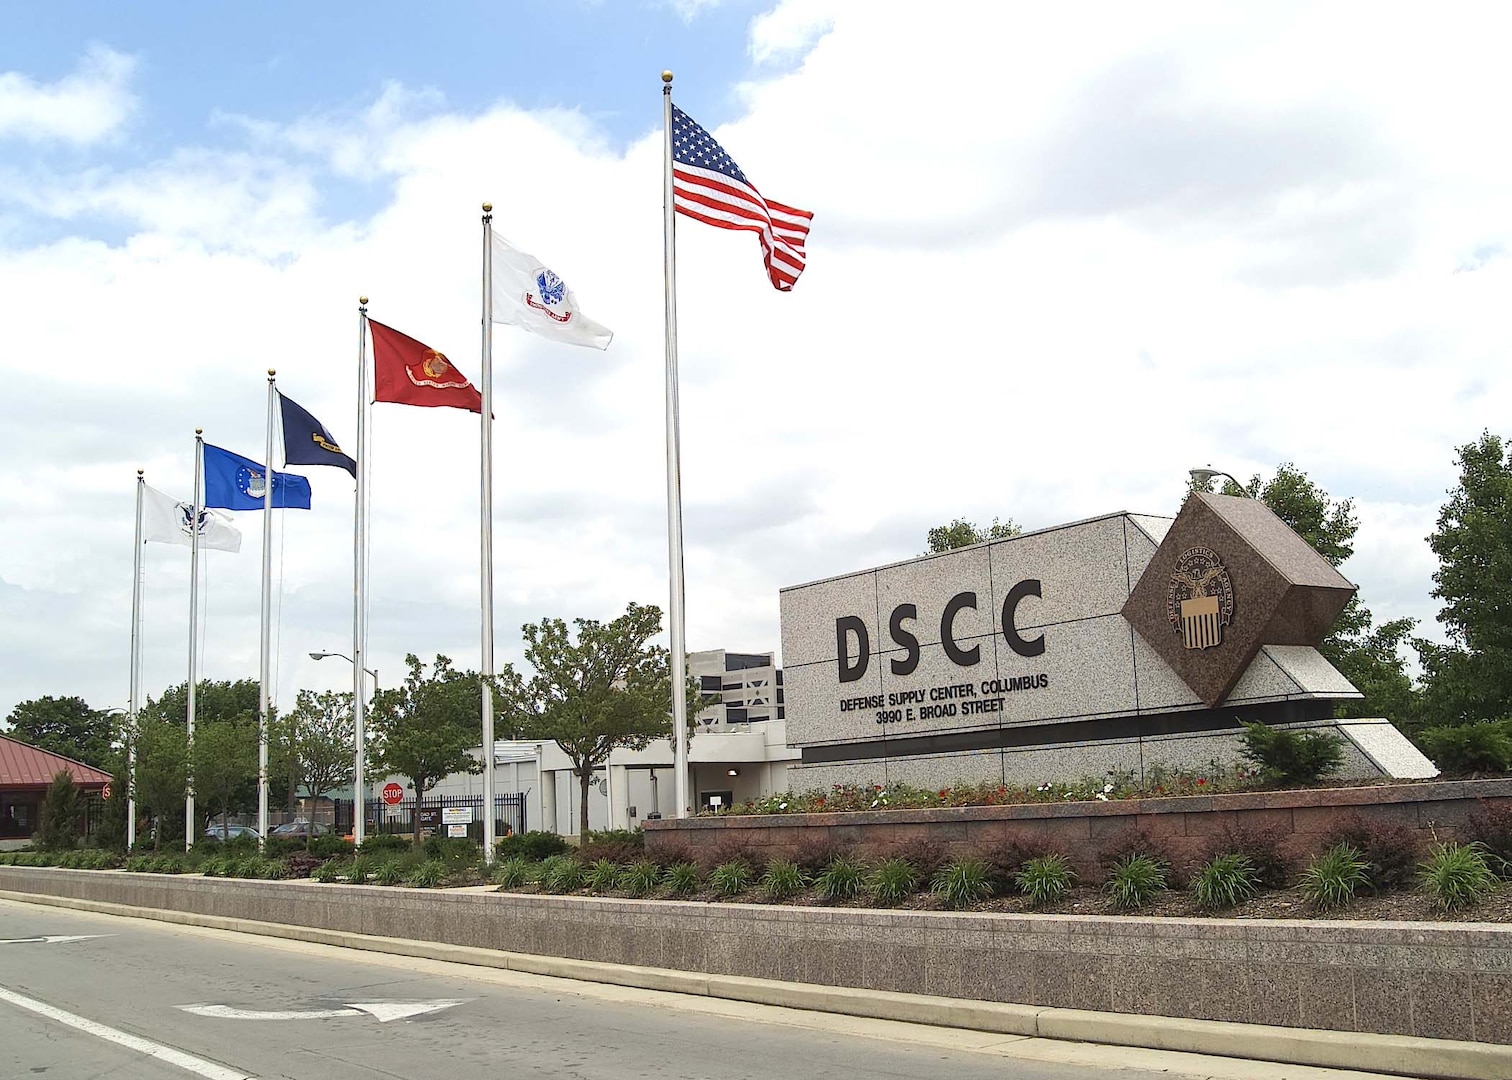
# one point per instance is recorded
(509, 814)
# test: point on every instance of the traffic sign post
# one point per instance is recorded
(393, 794)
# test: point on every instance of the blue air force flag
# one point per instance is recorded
(307, 442)
(236, 483)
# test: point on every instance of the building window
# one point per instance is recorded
(736, 716)
(708, 682)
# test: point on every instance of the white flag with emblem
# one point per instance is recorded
(167, 521)
(528, 295)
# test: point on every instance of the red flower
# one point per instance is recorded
(1201, 780)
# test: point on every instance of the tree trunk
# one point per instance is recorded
(585, 777)
(415, 817)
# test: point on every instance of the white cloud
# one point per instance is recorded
(790, 29)
(90, 104)
(1055, 263)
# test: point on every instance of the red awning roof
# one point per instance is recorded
(26, 766)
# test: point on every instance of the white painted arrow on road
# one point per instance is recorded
(384, 1011)
(50, 939)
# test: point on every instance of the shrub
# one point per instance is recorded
(1261, 846)
(1291, 757)
(840, 880)
(730, 850)
(731, 878)
(1333, 878)
(602, 875)
(1227, 880)
(535, 846)
(1133, 844)
(1134, 880)
(391, 871)
(384, 844)
(1470, 748)
(276, 847)
(511, 873)
(359, 870)
(58, 822)
(301, 864)
(814, 853)
(640, 877)
(1046, 880)
(924, 854)
(963, 882)
(456, 851)
(1457, 875)
(783, 878)
(330, 847)
(1491, 828)
(561, 874)
(217, 866)
(681, 879)
(428, 875)
(893, 881)
(137, 864)
(328, 872)
(1390, 852)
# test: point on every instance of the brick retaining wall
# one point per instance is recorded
(1448, 981)
(1185, 828)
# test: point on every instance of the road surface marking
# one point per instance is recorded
(383, 1010)
(183, 1060)
(50, 939)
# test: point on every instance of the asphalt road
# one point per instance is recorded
(79, 1009)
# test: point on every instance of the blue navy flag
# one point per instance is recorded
(307, 442)
(236, 483)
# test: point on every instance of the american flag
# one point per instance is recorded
(708, 186)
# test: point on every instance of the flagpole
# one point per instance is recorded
(359, 588)
(136, 669)
(487, 539)
(676, 614)
(265, 641)
(194, 535)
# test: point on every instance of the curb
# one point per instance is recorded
(1404, 1055)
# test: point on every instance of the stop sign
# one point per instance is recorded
(393, 794)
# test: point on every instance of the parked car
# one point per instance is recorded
(301, 829)
(231, 832)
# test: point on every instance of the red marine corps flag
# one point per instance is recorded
(410, 373)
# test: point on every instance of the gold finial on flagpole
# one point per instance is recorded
(666, 76)
(271, 373)
(362, 300)
(199, 431)
(488, 208)
(141, 472)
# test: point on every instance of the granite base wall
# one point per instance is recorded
(1448, 981)
(1185, 828)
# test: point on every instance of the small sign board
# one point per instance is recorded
(457, 830)
(393, 794)
(456, 815)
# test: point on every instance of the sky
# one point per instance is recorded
(1060, 255)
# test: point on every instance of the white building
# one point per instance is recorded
(739, 751)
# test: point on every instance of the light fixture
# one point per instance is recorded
(1206, 475)
(733, 772)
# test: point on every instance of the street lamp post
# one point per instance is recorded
(1205, 475)
(359, 778)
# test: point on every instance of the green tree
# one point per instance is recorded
(424, 729)
(1470, 678)
(311, 746)
(1369, 656)
(225, 765)
(65, 725)
(609, 688)
(962, 533)
(162, 771)
(213, 700)
(58, 822)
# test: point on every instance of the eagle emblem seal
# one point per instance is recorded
(1200, 598)
(435, 364)
(551, 288)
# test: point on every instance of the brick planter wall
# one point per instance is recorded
(1438, 980)
(1185, 828)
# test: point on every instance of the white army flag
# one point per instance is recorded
(528, 295)
(167, 521)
